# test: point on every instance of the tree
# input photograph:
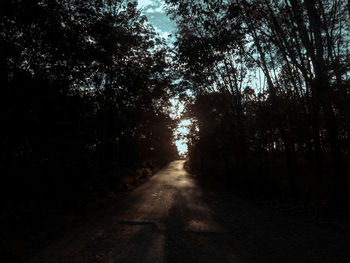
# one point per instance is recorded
(78, 79)
(299, 46)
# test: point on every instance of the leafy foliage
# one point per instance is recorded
(268, 78)
(84, 88)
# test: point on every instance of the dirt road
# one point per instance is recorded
(168, 219)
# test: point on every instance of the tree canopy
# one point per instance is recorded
(281, 68)
(85, 87)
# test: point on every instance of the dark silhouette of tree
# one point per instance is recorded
(84, 92)
(298, 109)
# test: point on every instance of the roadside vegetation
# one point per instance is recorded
(270, 91)
(85, 89)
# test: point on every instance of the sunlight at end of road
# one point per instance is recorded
(183, 128)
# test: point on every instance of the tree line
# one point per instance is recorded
(270, 81)
(84, 99)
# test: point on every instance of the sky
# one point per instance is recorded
(156, 14)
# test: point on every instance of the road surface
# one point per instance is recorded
(168, 219)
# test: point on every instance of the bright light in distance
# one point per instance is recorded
(183, 128)
(176, 109)
(182, 147)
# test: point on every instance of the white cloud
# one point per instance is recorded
(150, 10)
(145, 3)
(160, 9)
(152, 6)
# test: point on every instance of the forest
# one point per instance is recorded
(271, 87)
(85, 95)
(86, 89)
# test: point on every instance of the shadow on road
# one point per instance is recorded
(169, 219)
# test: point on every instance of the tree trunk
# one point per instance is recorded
(324, 91)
